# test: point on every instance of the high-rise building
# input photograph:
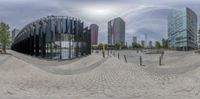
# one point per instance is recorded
(116, 32)
(94, 34)
(134, 39)
(198, 37)
(150, 44)
(142, 43)
(145, 44)
(182, 29)
(14, 33)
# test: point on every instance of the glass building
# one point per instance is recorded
(198, 37)
(54, 37)
(116, 32)
(14, 33)
(94, 34)
(134, 39)
(182, 29)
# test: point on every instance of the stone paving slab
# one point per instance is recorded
(112, 79)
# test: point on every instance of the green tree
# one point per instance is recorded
(4, 36)
(164, 43)
(94, 46)
(117, 46)
(136, 45)
(106, 46)
(158, 45)
(100, 46)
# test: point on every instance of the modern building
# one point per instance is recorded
(143, 43)
(54, 37)
(134, 39)
(150, 44)
(116, 31)
(94, 34)
(198, 37)
(14, 33)
(182, 29)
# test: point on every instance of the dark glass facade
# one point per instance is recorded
(54, 37)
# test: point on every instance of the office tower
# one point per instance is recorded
(150, 44)
(116, 32)
(182, 29)
(198, 37)
(94, 34)
(14, 33)
(142, 43)
(134, 39)
(145, 40)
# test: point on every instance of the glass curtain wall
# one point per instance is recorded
(54, 37)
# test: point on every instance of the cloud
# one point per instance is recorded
(141, 16)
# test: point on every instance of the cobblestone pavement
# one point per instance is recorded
(113, 78)
(173, 62)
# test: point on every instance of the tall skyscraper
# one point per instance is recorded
(182, 29)
(94, 34)
(134, 39)
(116, 32)
(145, 40)
(142, 43)
(150, 44)
(14, 33)
(198, 37)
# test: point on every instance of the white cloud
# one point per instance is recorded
(146, 15)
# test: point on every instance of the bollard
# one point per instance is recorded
(118, 55)
(114, 54)
(140, 60)
(108, 52)
(125, 58)
(160, 61)
(103, 53)
(162, 55)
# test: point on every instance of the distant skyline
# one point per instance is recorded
(141, 16)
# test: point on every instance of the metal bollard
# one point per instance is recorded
(140, 60)
(160, 60)
(103, 53)
(125, 58)
(162, 55)
(118, 55)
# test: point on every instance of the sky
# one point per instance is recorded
(141, 16)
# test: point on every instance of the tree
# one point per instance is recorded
(94, 46)
(164, 43)
(158, 45)
(136, 45)
(117, 46)
(4, 36)
(100, 46)
(106, 46)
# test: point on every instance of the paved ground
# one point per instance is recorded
(107, 78)
(173, 62)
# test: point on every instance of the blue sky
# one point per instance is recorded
(141, 16)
